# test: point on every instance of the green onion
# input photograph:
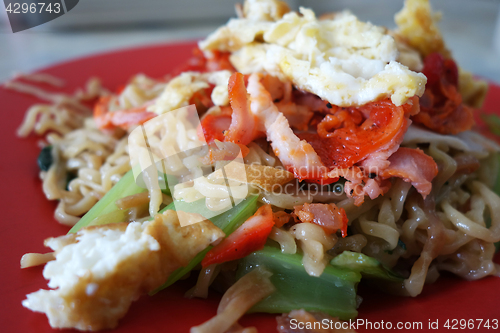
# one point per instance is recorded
(334, 292)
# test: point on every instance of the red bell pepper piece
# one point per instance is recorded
(249, 237)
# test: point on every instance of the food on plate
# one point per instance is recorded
(290, 158)
(100, 270)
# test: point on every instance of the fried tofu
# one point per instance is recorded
(98, 272)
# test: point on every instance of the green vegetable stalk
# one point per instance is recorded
(105, 210)
(334, 292)
(227, 221)
(369, 267)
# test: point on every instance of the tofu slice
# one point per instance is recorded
(100, 270)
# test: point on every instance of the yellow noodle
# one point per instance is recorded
(380, 230)
(314, 243)
(354, 243)
(36, 259)
(205, 279)
(238, 299)
(285, 239)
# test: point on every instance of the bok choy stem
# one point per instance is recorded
(334, 292)
(105, 210)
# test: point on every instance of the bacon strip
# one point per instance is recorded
(350, 135)
(328, 216)
(413, 166)
(359, 184)
(356, 143)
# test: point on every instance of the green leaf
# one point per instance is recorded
(334, 292)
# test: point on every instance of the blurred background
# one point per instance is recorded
(471, 28)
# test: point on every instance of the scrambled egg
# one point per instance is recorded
(139, 91)
(342, 60)
(99, 271)
(418, 24)
(408, 56)
(265, 10)
(418, 30)
(181, 88)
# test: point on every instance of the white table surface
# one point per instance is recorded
(28, 51)
(469, 32)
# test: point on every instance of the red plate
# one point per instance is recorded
(27, 221)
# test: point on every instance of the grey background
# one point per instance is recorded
(471, 29)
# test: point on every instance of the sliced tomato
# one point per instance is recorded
(249, 237)
(441, 107)
(349, 135)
